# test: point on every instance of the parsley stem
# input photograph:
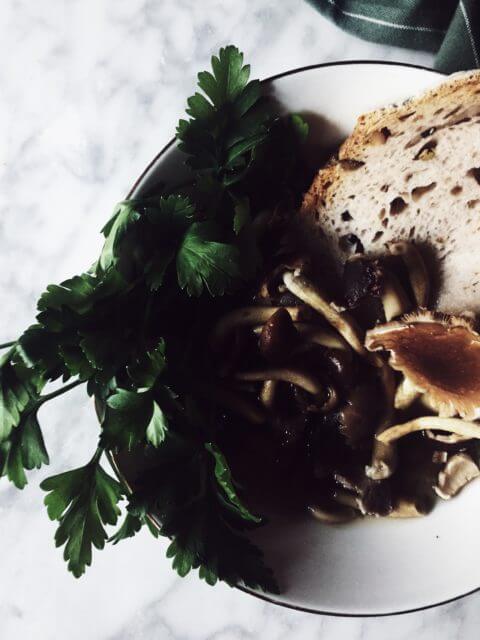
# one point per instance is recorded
(59, 392)
(97, 455)
(6, 345)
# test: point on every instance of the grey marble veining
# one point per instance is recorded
(89, 92)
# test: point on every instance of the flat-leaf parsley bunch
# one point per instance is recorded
(130, 329)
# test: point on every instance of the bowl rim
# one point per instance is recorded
(111, 456)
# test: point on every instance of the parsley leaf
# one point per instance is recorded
(157, 427)
(203, 262)
(19, 385)
(129, 528)
(146, 367)
(132, 419)
(115, 231)
(24, 449)
(169, 221)
(300, 126)
(204, 540)
(137, 517)
(173, 212)
(225, 481)
(83, 501)
(228, 122)
(229, 77)
(183, 492)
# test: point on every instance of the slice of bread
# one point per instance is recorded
(411, 172)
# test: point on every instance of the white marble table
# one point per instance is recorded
(89, 91)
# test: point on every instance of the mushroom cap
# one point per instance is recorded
(278, 336)
(439, 355)
(459, 471)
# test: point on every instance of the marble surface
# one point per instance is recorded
(89, 91)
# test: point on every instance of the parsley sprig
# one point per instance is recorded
(126, 329)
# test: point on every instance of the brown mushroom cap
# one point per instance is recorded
(249, 316)
(278, 336)
(439, 355)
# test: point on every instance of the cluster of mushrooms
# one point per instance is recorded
(391, 401)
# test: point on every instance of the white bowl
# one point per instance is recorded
(373, 567)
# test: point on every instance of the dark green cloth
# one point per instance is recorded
(449, 28)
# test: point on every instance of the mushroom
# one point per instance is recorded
(361, 279)
(335, 514)
(459, 471)
(454, 425)
(439, 355)
(267, 394)
(298, 378)
(394, 299)
(240, 404)
(347, 499)
(249, 316)
(332, 399)
(278, 336)
(376, 499)
(322, 337)
(384, 456)
(340, 319)
(352, 479)
(411, 508)
(356, 415)
(417, 271)
(452, 438)
(405, 394)
(272, 289)
(341, 367)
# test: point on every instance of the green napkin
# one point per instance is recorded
(449, 28)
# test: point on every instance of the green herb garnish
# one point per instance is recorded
(126, 327)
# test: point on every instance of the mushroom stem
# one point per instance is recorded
(316, 335)
(267, 394)
(298, 378)
(452, 438)
(248, 316)
(417, 271)
(241, 405)
(384, 454)
(340, 320)
(347, 499)
(453, 425)
(337, 515)
(406, 394)
(394, 299)
(322, 337)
